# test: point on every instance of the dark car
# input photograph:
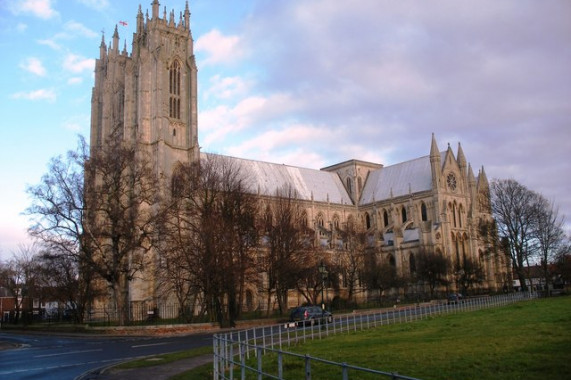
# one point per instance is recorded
(454, 298)
(310, 315)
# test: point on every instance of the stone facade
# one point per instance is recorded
(432, 202)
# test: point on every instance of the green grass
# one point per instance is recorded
(528, 340)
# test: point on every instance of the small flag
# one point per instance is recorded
(124, 23)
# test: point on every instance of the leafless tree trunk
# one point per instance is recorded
(120, 190)
(287, 245)
(515, 209)
(58, 213)
(432, 268)
(352, 258)
(549, 235)
(210, 231)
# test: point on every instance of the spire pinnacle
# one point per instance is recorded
(186, 16)
(434, 147)
(460, 157)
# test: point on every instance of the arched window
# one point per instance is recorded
(386, 218)
(174, 90)
(460, 210)
(336, 221)
(403, 213)
(359, 184)
(423, 212)
(320, 220)
(454, 213)
(304, 219)
(367, 220)
(457, 249)
(349, 186)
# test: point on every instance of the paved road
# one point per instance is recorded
(53, 357)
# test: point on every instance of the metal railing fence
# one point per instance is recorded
(232, 350)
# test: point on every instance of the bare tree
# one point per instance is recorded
(515, 209)
(117, 229)
(209, 235)
(287, 246)
(58, 215)
(549, 235)
(352, 259)
(470, 274)
(19, 277)
(381, 274)
(176, 242)
(432, 268)
(563, 263)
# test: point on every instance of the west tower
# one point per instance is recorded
(148, 100)
(149, 97)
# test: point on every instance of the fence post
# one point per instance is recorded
(215, 350)
(280, 365)
(307, 367)
(259, 353)
(242, 362)
(345, 372)
(247, 347)
(231, 358)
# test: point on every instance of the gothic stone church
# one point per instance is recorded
(432, 201)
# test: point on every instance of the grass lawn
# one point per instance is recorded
(527, 340)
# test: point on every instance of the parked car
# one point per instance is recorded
(454, 298)
(303, 315)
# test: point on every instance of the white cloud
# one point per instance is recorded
(76, 27)
(39, 8)
(95, 4)
(76, 64)
(41, 94)
(51, 43)
(34, 66)
(226, 87)
(76, 123)
(75, 80)
(219, 48)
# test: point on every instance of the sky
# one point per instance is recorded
(309, 83)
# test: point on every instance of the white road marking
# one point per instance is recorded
(67, 353)
(151, 344)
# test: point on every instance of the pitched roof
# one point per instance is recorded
(267, 179)
(397, 180)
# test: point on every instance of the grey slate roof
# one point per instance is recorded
(384, 183)
(266, 179)
(397, 180)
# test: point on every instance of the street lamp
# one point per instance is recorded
(323, 271)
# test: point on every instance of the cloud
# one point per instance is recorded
(21, 27)
(38, 8)
(95, 4)
(76, 123)
(51, 43)
(34, 66)
(42, 94)
(226, 87)
(76, 64)
(78, 28)
(220, 49)
(75, 80)
(374, 80)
